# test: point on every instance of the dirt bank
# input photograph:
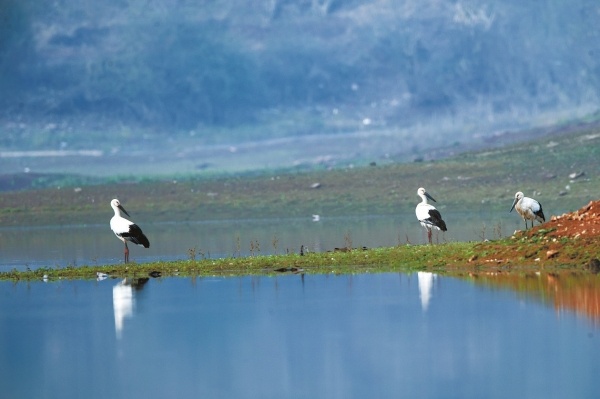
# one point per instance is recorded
(570, 239)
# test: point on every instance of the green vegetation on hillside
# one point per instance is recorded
(560, 171)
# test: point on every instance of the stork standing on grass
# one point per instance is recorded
(528, 208)
(429, 217)
(126, 230)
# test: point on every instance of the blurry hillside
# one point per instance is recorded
(411, 74)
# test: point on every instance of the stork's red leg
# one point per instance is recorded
(126, 253)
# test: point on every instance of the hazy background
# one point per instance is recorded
(180, 86)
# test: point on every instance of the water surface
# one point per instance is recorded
(294, 336)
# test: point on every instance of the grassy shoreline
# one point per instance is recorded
(522, 253)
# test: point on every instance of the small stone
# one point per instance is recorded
(551, 253)
(576, 175)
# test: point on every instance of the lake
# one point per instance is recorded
(60, 246)
(302, 336)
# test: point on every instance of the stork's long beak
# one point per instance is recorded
(429, 196)
(123, 209)
(513, 205)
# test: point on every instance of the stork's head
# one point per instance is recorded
(116, 205)
(518, 197)
(424, 194)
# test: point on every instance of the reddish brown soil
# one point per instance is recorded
(583, 223)
(567, 241)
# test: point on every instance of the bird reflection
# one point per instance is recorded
(425, 288)
(124, 299)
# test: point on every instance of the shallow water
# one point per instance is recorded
(60, 246)
(293, 336)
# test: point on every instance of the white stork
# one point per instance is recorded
(528, 208)
(126, 230)
(429, 217)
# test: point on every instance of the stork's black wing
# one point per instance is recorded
(435, 218)
(136, 236)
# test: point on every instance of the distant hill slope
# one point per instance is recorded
(560, 170)
(188, 156)
(99, 74)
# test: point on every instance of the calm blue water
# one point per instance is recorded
(292, 336)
